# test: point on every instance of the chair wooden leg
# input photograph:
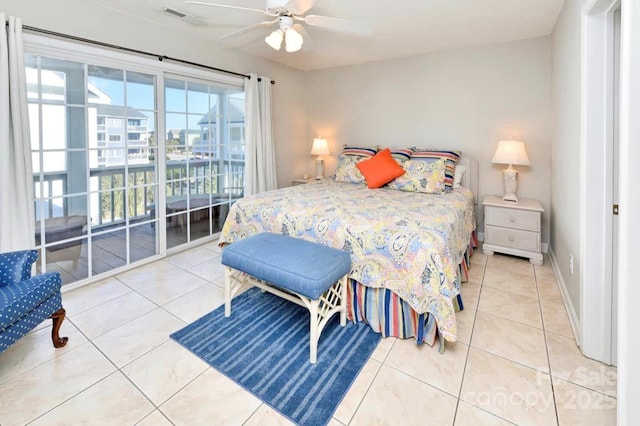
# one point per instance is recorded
(58, 317)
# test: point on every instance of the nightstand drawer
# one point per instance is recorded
(522, 240)
(512, 218)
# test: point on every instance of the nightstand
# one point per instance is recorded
(513, 228)
(302, 181)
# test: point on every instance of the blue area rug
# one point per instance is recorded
(264, 347)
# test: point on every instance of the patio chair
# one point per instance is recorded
(59, 229)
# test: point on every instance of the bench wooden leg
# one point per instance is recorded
(227, 291)
(313, 332)
(321, 310)
(58, 317)
(343, 302)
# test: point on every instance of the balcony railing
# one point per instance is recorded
(131, 127)
(183, 177)
(53, 184)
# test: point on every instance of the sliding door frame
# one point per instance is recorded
(35, 44)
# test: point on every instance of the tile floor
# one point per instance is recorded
(516, 361)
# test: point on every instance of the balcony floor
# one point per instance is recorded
(109, 250)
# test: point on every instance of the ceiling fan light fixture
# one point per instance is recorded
(293, 40)
(275, 39)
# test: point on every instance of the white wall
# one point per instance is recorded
(85, 19)
(565, 164)
(466, 99)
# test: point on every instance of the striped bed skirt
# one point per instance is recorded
(387, 314)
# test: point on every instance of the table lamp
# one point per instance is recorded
(511, 153)
(319, 148)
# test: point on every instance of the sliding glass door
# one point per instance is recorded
(99, 162)
(205, 157)
(95, 173)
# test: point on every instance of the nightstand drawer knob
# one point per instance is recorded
(512, 219)
(511, 238)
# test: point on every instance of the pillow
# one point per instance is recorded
(380, 169)
(450, 157)
(421, 176)
(457, 177)
(401, 154)
(359, 151)
(346, 171)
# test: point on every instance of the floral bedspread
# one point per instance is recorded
(410, 243)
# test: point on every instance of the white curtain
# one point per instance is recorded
(16, 176)
(260, 158)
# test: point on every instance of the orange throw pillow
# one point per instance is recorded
(380, 169)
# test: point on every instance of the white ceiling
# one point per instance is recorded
(401, 28)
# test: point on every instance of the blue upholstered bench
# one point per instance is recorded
(309, 274)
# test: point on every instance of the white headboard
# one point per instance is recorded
(470, 177)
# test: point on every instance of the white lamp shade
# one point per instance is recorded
(320, 147)
(511, 152)
(274, 39)
(293, 40)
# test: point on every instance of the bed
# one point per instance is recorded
(409, 251)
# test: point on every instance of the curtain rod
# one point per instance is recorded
(130, 50)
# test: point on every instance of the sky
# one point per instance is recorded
(179, 101)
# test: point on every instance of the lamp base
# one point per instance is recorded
(319, 169)
(510, 184)
(510, 197)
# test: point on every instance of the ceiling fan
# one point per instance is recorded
(289, 16)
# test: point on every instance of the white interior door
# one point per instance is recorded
(599, 178)
(615, 168)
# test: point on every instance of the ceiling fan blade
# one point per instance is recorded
(299, 7)
(245, 30)
(226, 6)
(339, 25)
(308, 43)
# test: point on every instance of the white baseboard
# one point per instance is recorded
(573, 317)
(545, 246)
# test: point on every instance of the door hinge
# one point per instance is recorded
(615, 209)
